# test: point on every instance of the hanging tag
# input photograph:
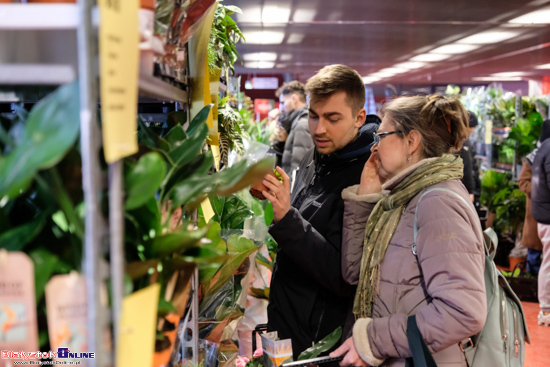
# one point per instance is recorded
(136, 340)
(67, 314)
(119, 63)
(207, 210)
(18, 327)
(488, 132)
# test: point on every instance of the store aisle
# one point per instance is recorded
(537, 354)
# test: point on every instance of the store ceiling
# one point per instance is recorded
(374, 35)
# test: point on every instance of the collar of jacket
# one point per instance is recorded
(360, 147)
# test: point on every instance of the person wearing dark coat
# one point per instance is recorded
(308, 297)
(471, 171)
(540, 196)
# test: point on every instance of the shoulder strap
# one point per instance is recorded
(489, 235)
(421, 355)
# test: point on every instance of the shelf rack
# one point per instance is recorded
(52, 44)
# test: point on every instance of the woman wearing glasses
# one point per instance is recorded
(439, 277)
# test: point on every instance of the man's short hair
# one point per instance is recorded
(293, 87)
(337, 78)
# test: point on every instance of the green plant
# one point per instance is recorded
(230, 129)
(225, 34)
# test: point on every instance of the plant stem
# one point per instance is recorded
(65, 203)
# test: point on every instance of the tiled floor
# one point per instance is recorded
(537, 354)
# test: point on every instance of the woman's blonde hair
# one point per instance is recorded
(442, 122)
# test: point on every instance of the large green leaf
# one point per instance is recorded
(44, 265)
(230, 267)
(17, 238)
(324, 345)
(175, 242)
(147, 218)
(200, 165)
(230, 212)
(199, 119)
(176, 136)
(191, 147)
(51, 129)
(239, 176)
(144, 179)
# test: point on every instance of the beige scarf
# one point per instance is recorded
(384, 220)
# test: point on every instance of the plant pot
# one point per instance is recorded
(257, 189)
(514, 261)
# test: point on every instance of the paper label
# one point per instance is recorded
(136, 341)
(18, 327)
(207, 210)
(119, 63)
(67, 313)
(489, 132)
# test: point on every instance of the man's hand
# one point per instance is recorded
(371, 182)
(278, 193)
(352, 357)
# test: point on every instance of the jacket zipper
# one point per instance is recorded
(503, 319)
(516, 339)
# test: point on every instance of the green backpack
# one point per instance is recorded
(502, 340)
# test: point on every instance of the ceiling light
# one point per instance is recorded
(264, 37)
(295, 38)
(282, 65)
(250, 14)
(453, 49)
(394, 70)
(260, 56)
(275, 14)
(370, 79)
(509, 74)
(430, 57)
(496, 79)
(488, 37)
(541, 16)
(259, 64)
(382, 74)
(544, 66)
(304, 15)
(410, 65)
(285, 57)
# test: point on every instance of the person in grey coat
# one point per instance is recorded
(412, 179)
(292, 98)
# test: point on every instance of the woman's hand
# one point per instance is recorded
(278, 193)
(371, 182)
(351, 356)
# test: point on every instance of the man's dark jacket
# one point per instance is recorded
(308, 297)
(540, 184)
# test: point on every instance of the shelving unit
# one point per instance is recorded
(52, 44)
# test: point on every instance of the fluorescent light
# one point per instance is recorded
(453, 49)
(544, 66)
(282, 65)
(410, 65)
(264, 37)
(394, 70)
(541, 16)
(382, 74)
(260, 56)
(496, 79)
(430, 57)
(304, 15)
(275, 14)
(295, 38)
(370, 79)
(250, 14)
(488, 37)
(510, 74)
(260, 64)
(285, 57)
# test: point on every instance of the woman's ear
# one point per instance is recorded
(414, 140)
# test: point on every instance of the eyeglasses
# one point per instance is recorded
(377, 136)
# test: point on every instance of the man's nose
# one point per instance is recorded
(320, 129)
(374, 148)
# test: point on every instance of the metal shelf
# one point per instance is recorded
(36, 74)
(154, 87)
(38, 16)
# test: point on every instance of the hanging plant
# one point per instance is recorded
(222, 53)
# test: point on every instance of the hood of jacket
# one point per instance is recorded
(359, 147)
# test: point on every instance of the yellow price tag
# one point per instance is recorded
(207, 210)
(488, 132)
(138, 324)
(119, 62)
